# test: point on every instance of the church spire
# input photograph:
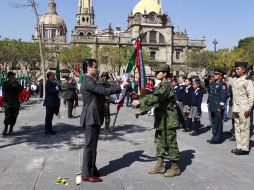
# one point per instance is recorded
(52, 7)
(85, 18)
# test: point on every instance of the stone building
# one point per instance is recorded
(52, 26)
(147, 20)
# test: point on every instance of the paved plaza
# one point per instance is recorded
(31, 160)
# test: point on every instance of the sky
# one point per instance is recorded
(227, 21)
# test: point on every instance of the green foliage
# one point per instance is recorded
(73, 56)
(245, 42)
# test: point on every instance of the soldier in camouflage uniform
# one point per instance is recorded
(11, 91)
(64, 90)
(165, 123)
(104, 82)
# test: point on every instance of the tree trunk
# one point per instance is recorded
(40, 47)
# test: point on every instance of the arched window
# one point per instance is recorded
(81, 34)
(89, 34)
(152, 37)
(83, 19)
(87, 19)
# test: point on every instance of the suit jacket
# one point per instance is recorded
(93, 96)
(52, 94)
(71, 91)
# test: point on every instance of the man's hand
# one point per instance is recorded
(246, 114)
(137, 114)
(135, 103)
(125, 84)
(219, 110)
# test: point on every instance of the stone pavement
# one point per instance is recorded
(31, 160)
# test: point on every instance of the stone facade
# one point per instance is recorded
(147, 20)
(52, 26)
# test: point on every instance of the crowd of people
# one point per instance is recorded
(174, 102)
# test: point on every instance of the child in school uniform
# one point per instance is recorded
(195, 111)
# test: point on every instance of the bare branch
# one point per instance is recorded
(28, 4)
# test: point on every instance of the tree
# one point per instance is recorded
(73, 56)
(245, 42)
(33, 4)
(201, 60)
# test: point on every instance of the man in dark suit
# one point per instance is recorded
(52, 102)
(92, 117)
(71, 94)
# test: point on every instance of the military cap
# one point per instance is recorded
(163, 68)
(218, 71)
(104, 74)
(241, 64)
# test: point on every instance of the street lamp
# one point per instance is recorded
(215, 44)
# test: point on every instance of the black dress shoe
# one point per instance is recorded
(187, 130)
(213, 142)
(194, 133)
(242, 152)
(235, 150)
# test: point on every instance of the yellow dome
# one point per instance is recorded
(52, 19)
(148, 6)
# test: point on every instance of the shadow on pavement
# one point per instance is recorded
(186, 158)
(34, 136)
(119, 131)
(203, 129)
(251, 144)
(126, 160)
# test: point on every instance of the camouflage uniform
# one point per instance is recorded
(106, 84)
(64, 92)
(107, 109)
(165, 119)
(11, 91)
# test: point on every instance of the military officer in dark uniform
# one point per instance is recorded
(216, 100)
(11, 91)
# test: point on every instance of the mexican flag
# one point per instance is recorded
(57, 72)
(136, 59)
(81, 76)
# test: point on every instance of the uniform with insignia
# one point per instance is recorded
(243, 97)
(165, 124)
(11, 91)
(216, 100)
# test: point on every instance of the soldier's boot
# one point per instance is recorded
(4, 133)
(11, 130)
(158, 168)
(174, 170)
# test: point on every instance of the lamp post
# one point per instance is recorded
(215, 44)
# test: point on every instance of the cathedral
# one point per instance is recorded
(147, 19)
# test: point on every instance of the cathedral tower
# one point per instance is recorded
(85, 19)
